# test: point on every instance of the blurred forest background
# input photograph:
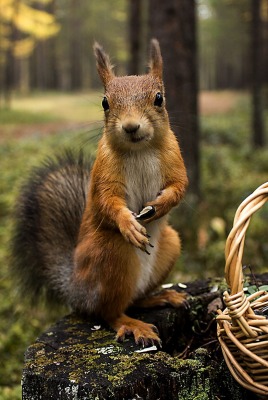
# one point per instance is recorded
(216, 75)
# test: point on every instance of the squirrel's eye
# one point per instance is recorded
(105, 104)
(158, 99)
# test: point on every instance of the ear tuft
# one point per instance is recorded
(156, 62)
(104, 66)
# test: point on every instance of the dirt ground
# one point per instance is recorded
(75, 114)
(42, 129)
(218, 102)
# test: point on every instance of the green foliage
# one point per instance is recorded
(10, 393)
(231, 170)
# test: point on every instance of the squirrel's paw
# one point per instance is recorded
(165, 297)
(134, 232)
(144, 334)
(171, 297)
(161, 206)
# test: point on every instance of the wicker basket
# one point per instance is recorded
(243, 333)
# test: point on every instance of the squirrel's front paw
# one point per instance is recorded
(134, 232)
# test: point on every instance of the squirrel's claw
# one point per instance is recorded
(149, 342)
(143, 332)
(147, 252)
(143, 248)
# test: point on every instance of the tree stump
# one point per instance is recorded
(78, 358)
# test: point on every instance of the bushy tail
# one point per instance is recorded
(47, 219)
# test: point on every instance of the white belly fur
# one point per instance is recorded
(143, 182)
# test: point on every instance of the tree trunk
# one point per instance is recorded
(173, 23)
(52, 80)
(9, 59)
(75, 45)
(256, 84)
(134, 36)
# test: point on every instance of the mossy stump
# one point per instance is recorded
(78, 358)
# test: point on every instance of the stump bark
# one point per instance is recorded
(78, 358)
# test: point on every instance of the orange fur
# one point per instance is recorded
(160, 299)
(168, 252)
(109, 264)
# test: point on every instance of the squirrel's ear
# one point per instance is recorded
(104, 66)
(156, 62)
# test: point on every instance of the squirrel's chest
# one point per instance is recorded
(143, 179)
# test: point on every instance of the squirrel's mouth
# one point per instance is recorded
(137, 139)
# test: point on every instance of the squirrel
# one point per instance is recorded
(95, 234)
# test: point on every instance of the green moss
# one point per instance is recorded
(100, 334)
(177, 363)
(124, 366)
(196, 383)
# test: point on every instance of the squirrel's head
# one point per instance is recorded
(134, 106)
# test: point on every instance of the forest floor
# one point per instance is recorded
(41, 124)
(49, 113)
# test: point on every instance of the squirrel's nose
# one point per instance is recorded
(130, 127)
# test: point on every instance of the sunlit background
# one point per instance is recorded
(216, 74)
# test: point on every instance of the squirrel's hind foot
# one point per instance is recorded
(144, 333)
(165, 297)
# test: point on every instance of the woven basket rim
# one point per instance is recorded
(236, 238)
(242, 334)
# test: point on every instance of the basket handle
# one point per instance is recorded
(236, 239)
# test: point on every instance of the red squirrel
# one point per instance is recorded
(108, 223)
